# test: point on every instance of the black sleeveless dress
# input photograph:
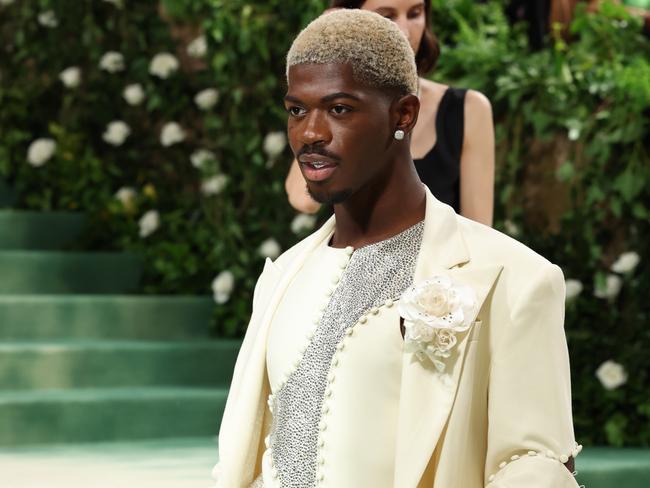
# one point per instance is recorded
(439, 169)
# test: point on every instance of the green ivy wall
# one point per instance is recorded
(193, 179)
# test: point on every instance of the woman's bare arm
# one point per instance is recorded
(477, 160)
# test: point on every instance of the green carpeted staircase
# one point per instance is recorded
(83, 359)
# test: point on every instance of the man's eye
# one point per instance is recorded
(296, 111)
(340, 109)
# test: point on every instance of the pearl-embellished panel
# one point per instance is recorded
(358, 446)
(294, 318)
(376, 274)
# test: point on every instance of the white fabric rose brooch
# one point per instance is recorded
(434, 311)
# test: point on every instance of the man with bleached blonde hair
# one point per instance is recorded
(400, 345)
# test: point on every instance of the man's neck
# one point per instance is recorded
(381, 210)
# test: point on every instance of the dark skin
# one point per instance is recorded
(350, 125)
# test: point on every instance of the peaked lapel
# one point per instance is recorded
(244, 416)
(426, 396)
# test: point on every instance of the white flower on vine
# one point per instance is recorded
(149, 223)
(626, 262)
(198, 47)
(611, 289)
(126, 196)
(116, 133)
(274, 144)
(171, 133)
(214, 185)
(40, 151)
(48, 19)
(133, 94)
(112, 62)
(573, 289)
(269, 249)
(611, 374)
(206, 99)
(200, 157)
(222, 286)
(511, 228)
(303, 222)
(163, 65)
(71, 77)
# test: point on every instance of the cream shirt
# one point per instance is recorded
(356, 435)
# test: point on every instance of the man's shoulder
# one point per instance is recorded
(489, 245)
(284, 260)
(525, 273)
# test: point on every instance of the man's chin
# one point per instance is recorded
(329, 198)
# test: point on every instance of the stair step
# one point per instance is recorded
(45, 317)
(91, 415)
(49, 272)
(38, 230)
(157, 463)
(85, 364)
(7, 195)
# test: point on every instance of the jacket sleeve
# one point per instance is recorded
(530, 433)
(263, 288)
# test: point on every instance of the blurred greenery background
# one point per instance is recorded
(164, 123)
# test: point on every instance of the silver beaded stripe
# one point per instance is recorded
(374, 274)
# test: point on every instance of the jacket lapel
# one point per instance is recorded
(244, 416)
(426, 396)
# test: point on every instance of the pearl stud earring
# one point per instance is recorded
(399, 134)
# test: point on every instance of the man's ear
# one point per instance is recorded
(406, 110)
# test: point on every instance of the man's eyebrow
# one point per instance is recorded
(334, 96)
(326, 98)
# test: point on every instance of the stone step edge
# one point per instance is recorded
(65, 345)
(108, 298)
(93, 395)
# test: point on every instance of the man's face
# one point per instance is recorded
(339, 129)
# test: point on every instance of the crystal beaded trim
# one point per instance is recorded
(375, 273)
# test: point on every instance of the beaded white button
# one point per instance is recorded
(349, 250)
(389, 303)
(363, 319)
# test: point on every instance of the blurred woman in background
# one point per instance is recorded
(453, 142)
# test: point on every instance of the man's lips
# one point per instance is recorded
(316, 167)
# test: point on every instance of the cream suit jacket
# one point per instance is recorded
(501, 415)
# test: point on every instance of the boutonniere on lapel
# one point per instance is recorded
(434, 312)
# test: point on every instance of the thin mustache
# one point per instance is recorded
(317, 150)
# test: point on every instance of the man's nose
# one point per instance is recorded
(315, 129)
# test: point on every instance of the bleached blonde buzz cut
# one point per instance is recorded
(379, 53)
